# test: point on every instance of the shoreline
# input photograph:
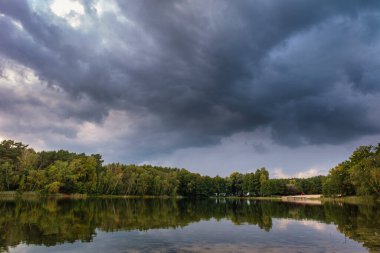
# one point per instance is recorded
(36, 195)
(301, 199)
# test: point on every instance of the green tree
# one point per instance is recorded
(81, 175)
(338, 181)
(235, 183)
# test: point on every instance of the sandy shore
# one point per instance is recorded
(307, 199)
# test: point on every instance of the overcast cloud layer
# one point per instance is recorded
(214, 85)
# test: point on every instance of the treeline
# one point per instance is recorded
(359, 175)
(23, 169)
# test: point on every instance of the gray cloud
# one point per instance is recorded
(189, 73)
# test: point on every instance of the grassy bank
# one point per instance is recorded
(11, 195)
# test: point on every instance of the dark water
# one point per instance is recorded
(170, 225)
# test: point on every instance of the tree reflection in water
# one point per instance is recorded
(50, 222)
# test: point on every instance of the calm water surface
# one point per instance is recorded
(171, 225)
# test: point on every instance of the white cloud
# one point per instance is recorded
(63, 8)
(117, 124)
(70, 10)
(279, 173)
(308, 173)
(103, 6)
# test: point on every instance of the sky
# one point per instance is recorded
(214, 86)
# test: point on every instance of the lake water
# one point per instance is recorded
(180, 225)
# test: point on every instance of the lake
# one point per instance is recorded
(183, 225)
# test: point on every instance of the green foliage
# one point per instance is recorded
(338, 181)
(358, 175)
(23, 169)
(235, 183)
(82, 176)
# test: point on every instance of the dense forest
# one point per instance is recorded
(23, 169)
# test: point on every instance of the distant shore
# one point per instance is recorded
(302, 199)
(36, 195)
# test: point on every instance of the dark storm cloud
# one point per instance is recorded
(203, 70)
